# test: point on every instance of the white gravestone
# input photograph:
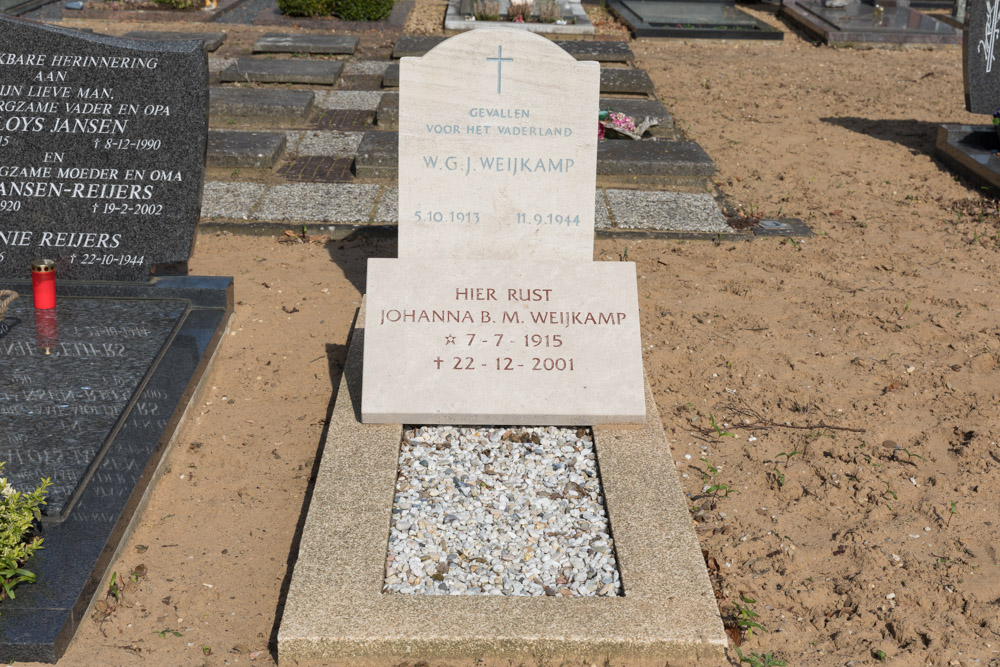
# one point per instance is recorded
(518, 343)
(497, 149)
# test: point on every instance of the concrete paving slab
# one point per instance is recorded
(250, 103)
(366, 67)
(259, 70)
(661, 163)
(210, 41)
(674, 211)
(318, 202)
(310, 143)
(387, 212)
(378, 155)
(336, 612)
(390, 79)
(387, 113)
(361, 100)
(230, 201)
(415, 46)
(216, 65)
(303, 43)
(625, 81)
(251, 150)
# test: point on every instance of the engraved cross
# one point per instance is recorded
(500, 61)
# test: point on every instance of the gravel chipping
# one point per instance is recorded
(499, 511)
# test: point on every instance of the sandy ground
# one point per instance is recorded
(852, 380)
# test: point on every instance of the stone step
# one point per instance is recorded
(619, 162)
(322, 72)
(262, 105)
(210, 41)
(581, 49)
(625, 81)
(297, 43)
(247, 150)
(387, 113)
(614, 81)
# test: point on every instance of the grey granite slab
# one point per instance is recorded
(250, 103)
(98, 414)
(640, 109)
(111, 160)
(336, 612)
(665, 163)
(859, 23)
(378, 155)
(625, 81)
(360, 100)
(318, 202)
(366, 67)
(390, 79)
(210, 41)
(675, 211)
(581, 49)
(691, 20)
(230, 201)
(387, 113)
(260, 70)
(388, 207)
(327, 143)
(252, 150)
(306, 43)
(972, 151)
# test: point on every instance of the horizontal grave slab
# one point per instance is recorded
(322, 72)
(614, 81)
(253, 150)
(581, 49)
(502, 343)
(289, 43)
(91, 394)
(210, 41)
(260, 104)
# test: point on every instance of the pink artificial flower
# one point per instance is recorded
(600, 130)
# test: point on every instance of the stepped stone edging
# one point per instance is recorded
(293, 105)
(601, 51)
(259, 70)
(210, 41)
(280, 42)
(251, 150)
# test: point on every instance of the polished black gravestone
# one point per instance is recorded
(692, 19)
(92, 391)
(972, 150)
(889, 22)
(103, 145)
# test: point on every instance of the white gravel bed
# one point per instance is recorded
(499, 511)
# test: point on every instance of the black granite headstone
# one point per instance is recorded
(980, 51)
(103, 142)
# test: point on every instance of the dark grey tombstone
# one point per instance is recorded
(979, 57)
(104, 147)
(886, 22)
(92, 391)
(691, 19)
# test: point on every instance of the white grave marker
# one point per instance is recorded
(497, 149)
(473, 342)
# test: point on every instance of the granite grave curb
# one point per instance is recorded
(336, 613)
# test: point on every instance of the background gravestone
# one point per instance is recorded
(103, 142)
(497, 149)
(981, 57)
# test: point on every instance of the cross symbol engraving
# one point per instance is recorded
(500, 61)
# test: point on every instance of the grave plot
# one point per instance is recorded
(971, 150)
(104, 181)
(483, 541)
(691, 20)
(869, 22)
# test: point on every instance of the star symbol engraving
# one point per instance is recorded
(449, 340)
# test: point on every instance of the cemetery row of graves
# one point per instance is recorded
(598, 408)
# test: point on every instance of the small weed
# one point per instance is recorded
(712, 470)
(168, 631)
(879, 655)
(207, 650)
(952, 511)
(113, 589)
(759, 660)
(788, 456)
(779, 476)
(724, 488)
(718, 430)
(746, 621)
(911, 455)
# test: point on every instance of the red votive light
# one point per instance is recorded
(46, 329)
(43, 283)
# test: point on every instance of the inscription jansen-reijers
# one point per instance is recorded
(97, 145)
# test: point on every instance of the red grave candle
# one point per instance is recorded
(43, 283)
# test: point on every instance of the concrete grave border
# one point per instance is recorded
(336, 612)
